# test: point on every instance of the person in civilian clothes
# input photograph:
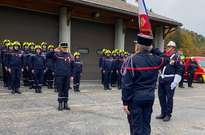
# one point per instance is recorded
(15, 66)
(38, 68)
(168, 81)
(63, 71)
(107, 67)
(139, 79)
(77, 70)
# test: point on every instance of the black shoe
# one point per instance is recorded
(109, 88)
(190, 86)
(60, 107)
(39, 90)
(5, 85)
(55, 90)
(18, 92)
(13, 92)
(105, 88)
(181, 87)
(160, 116)
(77, 90)
(36, 90)
(66, 106)
(166, 119)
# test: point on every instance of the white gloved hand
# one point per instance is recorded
(176, 81)
(173, 85)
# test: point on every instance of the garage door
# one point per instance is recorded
(25, 25)
(90, 37)
(131, 35)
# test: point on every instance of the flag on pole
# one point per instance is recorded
(144, 22)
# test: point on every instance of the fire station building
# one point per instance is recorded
(86, 25)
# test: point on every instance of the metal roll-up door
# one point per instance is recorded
(23, 25)
(91, 37)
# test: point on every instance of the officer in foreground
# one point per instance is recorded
(63, 71)
(168, 81)
(138, 84)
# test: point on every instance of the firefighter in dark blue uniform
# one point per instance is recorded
(31, 54)
(107, 67)
(168, 81)
(114, 70)
(101, 59)
(4, 51)
(8, 53)
(138, 87)
(63, 71)
(181, 83)
(15, 66)
(119, 62)
(191, 70)
(77, 70)
(44, 46)
(38, 68)
(50, 68)
(26, 55)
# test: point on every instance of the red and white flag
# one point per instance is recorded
(144, 21)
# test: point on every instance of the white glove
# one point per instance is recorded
(173, 85)
(177, 79)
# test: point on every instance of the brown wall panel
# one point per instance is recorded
(25, 25)
(91, 35)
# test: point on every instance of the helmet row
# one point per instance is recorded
(42, 45)
(114, 52)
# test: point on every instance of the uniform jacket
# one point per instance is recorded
(50, 63)
(63, 63)
(101, 59)
(140, 76)
(26, 56)
(77, 66)
(15, 59)
(37, 62)
(172, 68)
(107, 64)
(192, 67)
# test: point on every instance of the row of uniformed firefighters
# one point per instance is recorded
(40, 64)
(110, 64)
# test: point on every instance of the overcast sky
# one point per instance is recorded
(189, 12)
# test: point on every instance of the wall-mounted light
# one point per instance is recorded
(96, 14)
(132, 20)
